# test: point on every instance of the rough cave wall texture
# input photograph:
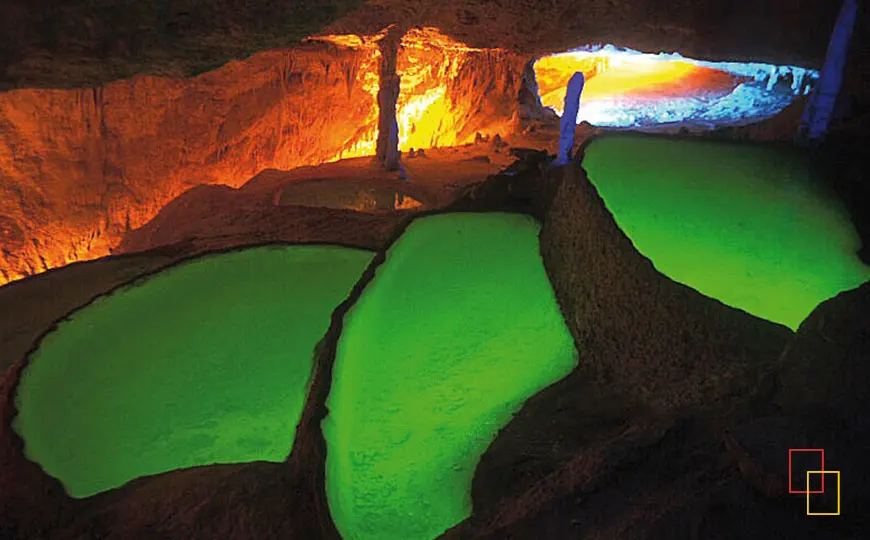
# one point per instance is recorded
(487, 87)
(78, 168)
(836, 331)
(638, 330)
(59, 43)
(779, 31)
(82, 43)
(466, 90)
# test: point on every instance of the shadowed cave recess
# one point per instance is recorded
(354, 269)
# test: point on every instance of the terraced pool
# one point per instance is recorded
(458, 328)
(754, 227)
(206, 362)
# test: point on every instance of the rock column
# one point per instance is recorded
(388, 95)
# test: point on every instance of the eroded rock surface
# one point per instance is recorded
(81, 167)
(826, 368)
(681, 440)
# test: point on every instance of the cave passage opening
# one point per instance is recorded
(459, 327)
(206, 362)
(628, 89)
(755, 227)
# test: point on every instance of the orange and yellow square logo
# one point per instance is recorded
(808, 464)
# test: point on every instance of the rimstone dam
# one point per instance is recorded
(404, 270)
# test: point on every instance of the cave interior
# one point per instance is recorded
(387, 269)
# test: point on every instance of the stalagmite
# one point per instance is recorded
(569, 117)
(817, 115)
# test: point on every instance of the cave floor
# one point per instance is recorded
(616, 468)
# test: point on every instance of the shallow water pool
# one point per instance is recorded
(458, 328)
(754, 227)
(205, 362)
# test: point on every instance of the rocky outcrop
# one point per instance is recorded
(818, 398)
(637, 329)
(825, 370)
(650, 350)
(211, 217)
(79, 168)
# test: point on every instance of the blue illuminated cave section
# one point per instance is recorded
(627, 89)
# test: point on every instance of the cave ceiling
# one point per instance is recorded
(80, 43)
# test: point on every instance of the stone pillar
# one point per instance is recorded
(388, 95)
(820, 108)
(568, 124)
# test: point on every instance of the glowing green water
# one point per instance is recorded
(459, 327)
(207, 362)
(750, 226)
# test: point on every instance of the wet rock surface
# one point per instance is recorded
(673, 426)
(826, 368)
(667, 448)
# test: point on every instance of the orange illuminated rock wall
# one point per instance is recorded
(449, 92)
(78, 168)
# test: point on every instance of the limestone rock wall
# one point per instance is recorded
(81, 168)
(487, 88)
(78, 168)
(449, 91)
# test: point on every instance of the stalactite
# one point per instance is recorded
(797, 82)
(771, 81)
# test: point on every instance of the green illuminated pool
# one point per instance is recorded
(459, 327)
(753, 227)
(206, 362)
